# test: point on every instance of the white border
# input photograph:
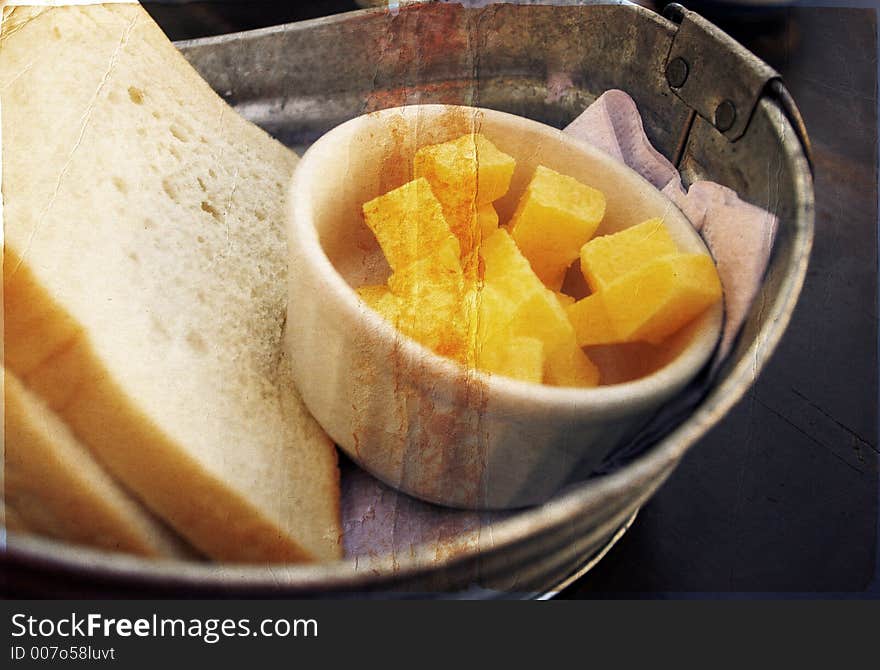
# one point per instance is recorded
(62, 3)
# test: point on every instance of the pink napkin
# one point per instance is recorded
(739, 235)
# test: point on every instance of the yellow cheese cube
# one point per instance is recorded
(568, 365)
(438, 270)
(604, 259)
(487, 221)
(372, 295)
(564, 299)
(515, 357)
(466, 291)
(507, 331)
(505, 268)
(426, 319)
(491, 314)
(535, 311)
(380, 299)
(541, 316)
(465, 174)
(484, 227)
(649, 303)
(408, 222)
(592, 322)
(430, 293)
(554, 218)
(533, 306)
(471, 165)
(483, 316)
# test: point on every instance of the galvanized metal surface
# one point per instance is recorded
(547, 63)
(713, 74)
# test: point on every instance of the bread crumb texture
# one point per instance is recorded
(145, 282)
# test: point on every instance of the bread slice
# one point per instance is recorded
(53, 486)
(144, 279)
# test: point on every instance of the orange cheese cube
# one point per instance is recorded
(491, 314)
(408, 223)
(438, 270)
(649, 303)
(372, 294)
(554, 218)
(570, 366)
(484, 226)
(487, 221)
(430, 293)
(381, 300)
(505, 268)
(470, 167)
(465, 174)
(564, 299)
(535, 311)
(591, 321)
(604, 259)
(515, 357)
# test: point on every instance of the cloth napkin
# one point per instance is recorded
(738, 234)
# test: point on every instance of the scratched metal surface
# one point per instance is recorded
(546, 63)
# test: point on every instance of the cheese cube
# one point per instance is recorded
(535, 311)
(380, 299)
(470, 165)
(515, 357)
(649, 303)
(408, 222)
(591, 321)
(430, 293)
(487, 221)
(604, 259)
(505, 268)
(438, 270)
(465, 174)
(564, 299)
(554, 218)
(568, 365)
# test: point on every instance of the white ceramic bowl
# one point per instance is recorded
(423, 423)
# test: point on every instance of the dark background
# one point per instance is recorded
(782, 496)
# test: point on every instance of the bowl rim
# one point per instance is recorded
(611, 401)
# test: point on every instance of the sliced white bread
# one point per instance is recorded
(144, 278)
(54, 487)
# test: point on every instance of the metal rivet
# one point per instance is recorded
(677, 72)
(725, 115)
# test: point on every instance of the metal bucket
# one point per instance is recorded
(547, 63)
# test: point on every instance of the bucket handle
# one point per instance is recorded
(721, 80)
